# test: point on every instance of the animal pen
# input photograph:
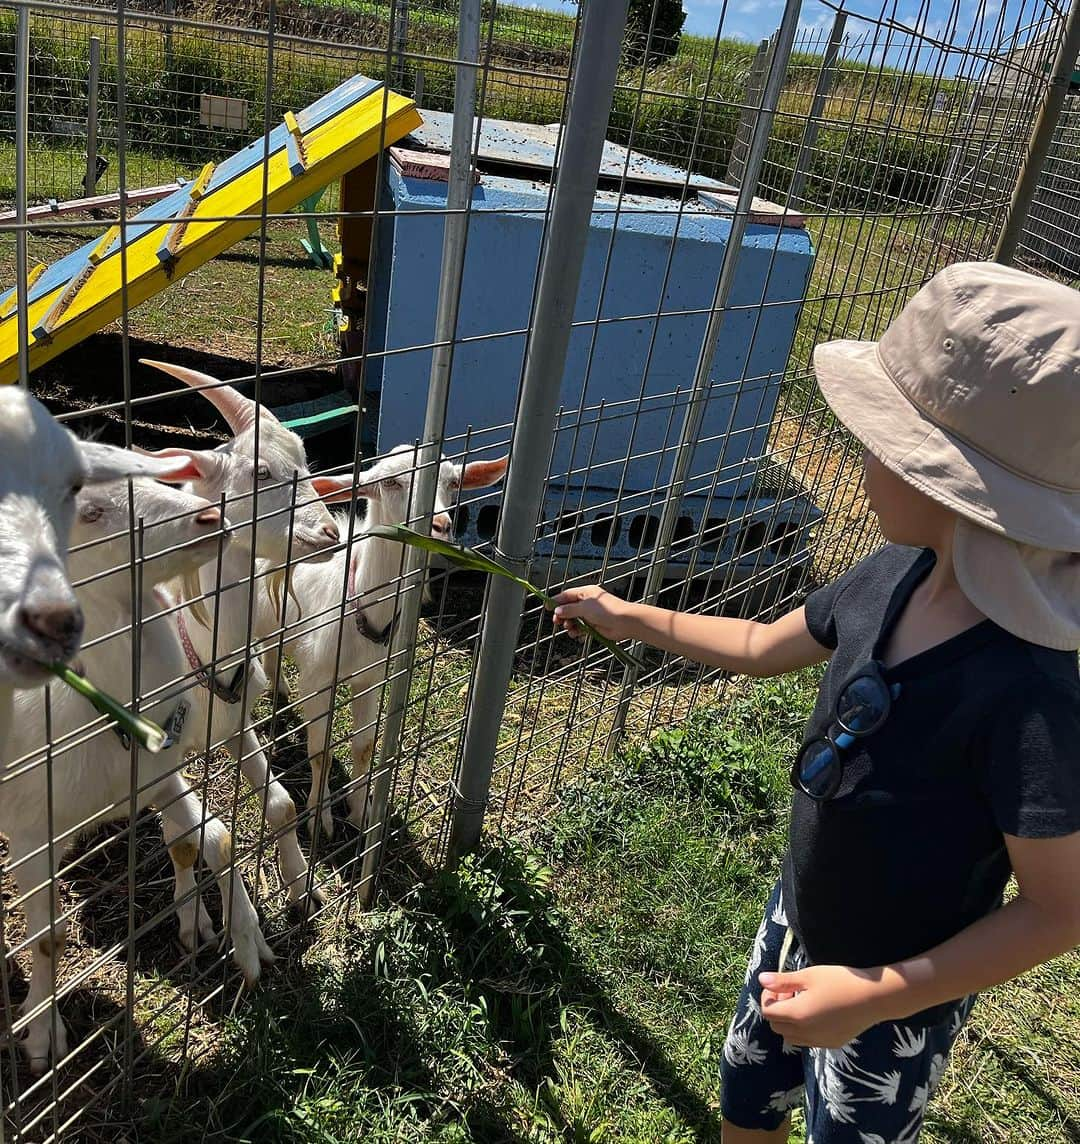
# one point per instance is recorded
(600, 251)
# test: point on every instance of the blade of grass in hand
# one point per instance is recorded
(478, 562)
(145, 731)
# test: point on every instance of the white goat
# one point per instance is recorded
(255, 470)
(366, 572)
(91, 779)
(42, 467)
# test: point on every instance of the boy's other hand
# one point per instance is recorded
(591, 603)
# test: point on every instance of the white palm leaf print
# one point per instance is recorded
(785, 1101)
(908, 1042)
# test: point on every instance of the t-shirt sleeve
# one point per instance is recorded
(1032, 762)
(821, 607)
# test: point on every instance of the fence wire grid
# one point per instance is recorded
(664, 430)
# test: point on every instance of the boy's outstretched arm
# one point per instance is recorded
(742, 646)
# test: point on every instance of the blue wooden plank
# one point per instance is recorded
(344, 95)
(244, 160)
(323, 109)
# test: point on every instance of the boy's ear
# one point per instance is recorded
(480, 474)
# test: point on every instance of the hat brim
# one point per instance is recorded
(866, 399)
(1032, 592)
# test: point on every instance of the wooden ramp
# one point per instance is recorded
(83, 292)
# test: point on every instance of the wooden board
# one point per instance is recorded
(82, 293)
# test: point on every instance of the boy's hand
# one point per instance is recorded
(591, 603)
(824, 1006)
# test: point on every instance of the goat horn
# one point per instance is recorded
(239, 411)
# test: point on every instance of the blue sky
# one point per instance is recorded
(756, 19)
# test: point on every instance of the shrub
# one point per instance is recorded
(666, 30)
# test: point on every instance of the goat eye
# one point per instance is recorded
(391, 483)
(263, 472)
(90, 512)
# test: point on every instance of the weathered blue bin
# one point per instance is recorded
(626, 379)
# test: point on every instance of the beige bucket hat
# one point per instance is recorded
(972, 396)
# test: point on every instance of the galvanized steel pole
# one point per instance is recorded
(22, 151)
(458, 197)
(695, 409)
(1042, 135)
(602, 27)
(90, 182)
(817, 109)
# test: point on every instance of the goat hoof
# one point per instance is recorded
(36, 1044)
(207, 933)
(327, 821)
(308, 903)
(250, 953)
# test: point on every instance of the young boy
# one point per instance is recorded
(944, 751)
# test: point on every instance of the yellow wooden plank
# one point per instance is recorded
(219, 220)
(13, 301)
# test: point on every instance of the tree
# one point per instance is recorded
(666, 30)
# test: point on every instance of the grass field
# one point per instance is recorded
(575, 985)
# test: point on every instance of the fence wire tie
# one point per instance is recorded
(519, 565)
(464, 802)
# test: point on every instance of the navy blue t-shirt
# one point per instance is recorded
(983, 740)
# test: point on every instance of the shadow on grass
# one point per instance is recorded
(1021, 1071)
(424, 1020)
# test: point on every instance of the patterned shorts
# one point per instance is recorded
(873, 1090)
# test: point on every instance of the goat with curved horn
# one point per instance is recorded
(239, 411)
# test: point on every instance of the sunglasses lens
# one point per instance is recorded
(863, 705)
(817, 768)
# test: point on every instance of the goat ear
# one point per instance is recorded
(176, 466)
(340, 490)
(480, 474)
(103, 463)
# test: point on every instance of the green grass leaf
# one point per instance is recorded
(477, 562)
(147, 733)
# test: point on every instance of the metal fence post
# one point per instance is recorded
(1042, 135)
(817, 110)
(400, 34)
(698, 399)
(458, 198)
(90, 182)
(744, 133)
(22, 151)
(591, 98)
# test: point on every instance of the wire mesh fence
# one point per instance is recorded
(335, 722)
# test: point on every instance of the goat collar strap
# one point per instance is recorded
(376, 636)
(364, 626)
(229, 694)
(172, 727)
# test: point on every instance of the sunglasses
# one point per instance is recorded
(862, 707)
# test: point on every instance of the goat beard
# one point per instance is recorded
(277, 584)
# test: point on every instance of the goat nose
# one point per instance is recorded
(58, 623)
(209, 516)
(441, 524)
(330, 531)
